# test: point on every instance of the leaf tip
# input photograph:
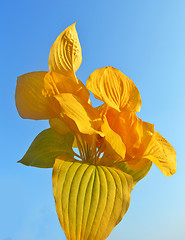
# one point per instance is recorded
(20, 161)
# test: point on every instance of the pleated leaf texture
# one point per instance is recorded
(97, 154)
(90, 200)
(66, 54)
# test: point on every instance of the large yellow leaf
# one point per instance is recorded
(46, 147)
(83, 114)
(29, 99)
(162, 154)
(115, 89)
(90, 200)
(66, 54)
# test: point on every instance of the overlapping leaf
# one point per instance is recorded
(55, 83)
(59, 126)
(46, 147)
(83, 114)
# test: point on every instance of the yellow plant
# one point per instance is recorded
(116, 149)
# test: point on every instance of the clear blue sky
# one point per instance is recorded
(146, 41)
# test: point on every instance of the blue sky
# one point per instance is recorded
(146, 41)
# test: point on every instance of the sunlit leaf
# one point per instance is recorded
(55, 83)
(83, 114)
(29, 99)
(90, 200)
(66, 54)
(115, 89)
(46, 147)
(162, 154)
(114, 143)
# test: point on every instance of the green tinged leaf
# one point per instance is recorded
(90, 199)
(46, 147)
(136, 175)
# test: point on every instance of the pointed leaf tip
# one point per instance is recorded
(66, 54)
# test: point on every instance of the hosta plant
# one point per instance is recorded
(97, 154)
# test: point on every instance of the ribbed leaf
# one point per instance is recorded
(66, 54)
(115, 89)
(90, 200)
(46, 147)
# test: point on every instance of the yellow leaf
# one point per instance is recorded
(134, 133)
(114, 143)
(46, 147)
(135, 155)
(83, 114)
(29, 100)
(66, 54)
(115, 89)
(162, 154)
(59, 126)
(55, 83)
(90, 200)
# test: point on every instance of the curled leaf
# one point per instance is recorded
(115, 89)
(162, 154)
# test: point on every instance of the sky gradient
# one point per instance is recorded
(143, 39)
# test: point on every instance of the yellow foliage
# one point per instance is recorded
(116, 148)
